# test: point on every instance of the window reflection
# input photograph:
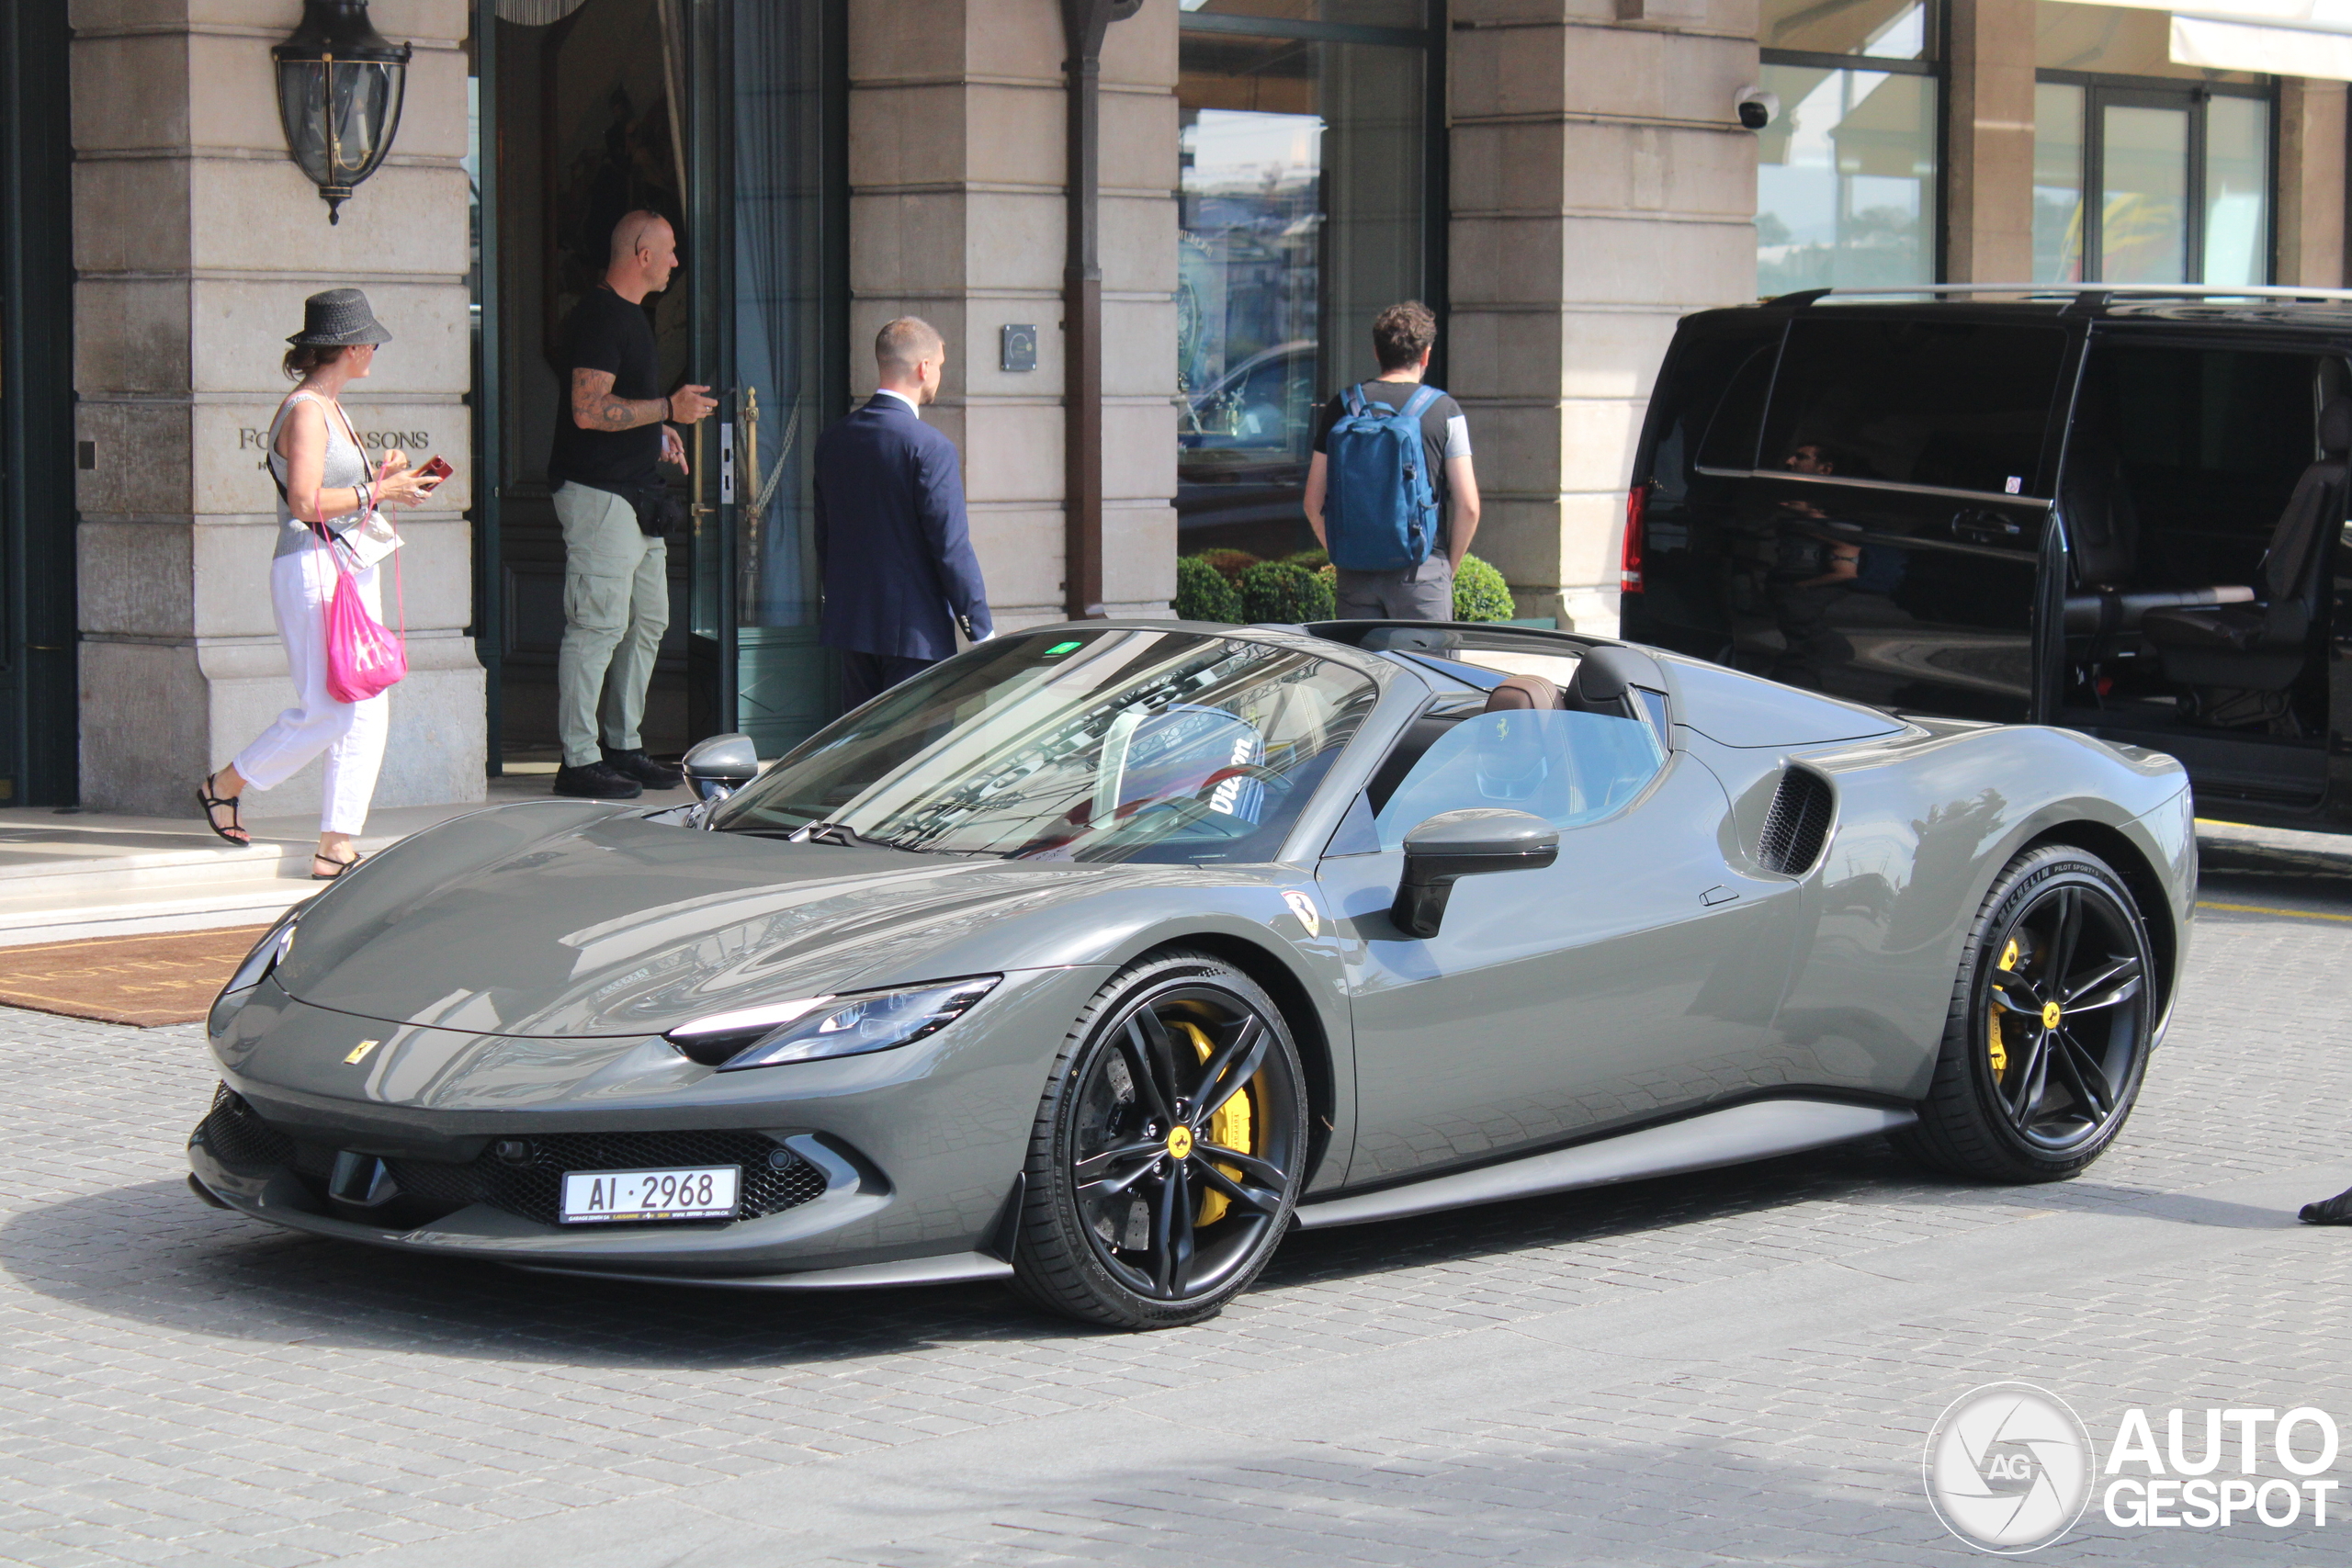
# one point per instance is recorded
(1301, 214)
(2144, 195)
(2057, 183)
(1845, 186)
(2237, 189)
(1890, 29)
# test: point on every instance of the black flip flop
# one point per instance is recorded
(340, 866)
(236, 831)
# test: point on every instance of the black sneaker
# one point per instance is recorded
(597, 780)
(643, 769)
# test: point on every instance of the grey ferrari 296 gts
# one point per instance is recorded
(1096, 957)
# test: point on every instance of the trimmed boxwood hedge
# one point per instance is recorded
(1231, 587)
(1203, 593)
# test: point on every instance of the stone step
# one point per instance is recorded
(68, 874)
(222, 902)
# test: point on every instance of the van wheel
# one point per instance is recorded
(1168, 1149)
(2052, 1022)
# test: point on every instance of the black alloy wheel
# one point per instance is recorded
(2053, 1016)
(1168, 1150)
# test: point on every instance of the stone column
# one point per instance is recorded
(196, 240)
(957, 170)
(2310, 182)
(1602, 188)
(1989, 142)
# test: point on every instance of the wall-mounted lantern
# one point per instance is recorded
(339, 88)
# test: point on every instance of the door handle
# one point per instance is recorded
(1980, 527)
(1714, 896)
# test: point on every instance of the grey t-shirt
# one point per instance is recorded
(345, 468)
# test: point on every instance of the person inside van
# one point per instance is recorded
(1814, 564)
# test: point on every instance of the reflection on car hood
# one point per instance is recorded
(555, 921)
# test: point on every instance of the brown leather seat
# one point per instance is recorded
(1525, 691)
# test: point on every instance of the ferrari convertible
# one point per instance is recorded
(1097, 957)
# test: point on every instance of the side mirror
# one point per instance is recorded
(719, 766)
(1455, 844)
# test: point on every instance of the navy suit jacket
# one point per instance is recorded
(892, 546)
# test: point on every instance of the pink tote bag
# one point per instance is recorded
(362, 657)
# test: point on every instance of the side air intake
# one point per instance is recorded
(1798, 824)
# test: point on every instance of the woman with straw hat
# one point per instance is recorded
(326, 490)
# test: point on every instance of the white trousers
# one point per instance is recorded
(351, 734)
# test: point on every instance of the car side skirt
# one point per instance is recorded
(1757, 1129)
(945, 1268)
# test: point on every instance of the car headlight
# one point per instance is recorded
(267, 954)
(813, 1028)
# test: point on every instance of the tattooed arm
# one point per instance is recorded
(593, 406)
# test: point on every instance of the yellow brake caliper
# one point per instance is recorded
(1228, 1128)
(2000, 1051)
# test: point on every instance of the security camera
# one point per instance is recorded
(1758, 108)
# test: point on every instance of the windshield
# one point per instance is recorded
(1109, 745)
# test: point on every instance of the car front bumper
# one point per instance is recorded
(898, 1167)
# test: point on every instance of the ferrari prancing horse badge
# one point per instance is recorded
(1304, 908)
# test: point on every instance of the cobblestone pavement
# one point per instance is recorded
(1740, 1366)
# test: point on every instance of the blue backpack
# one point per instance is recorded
(1380, 500)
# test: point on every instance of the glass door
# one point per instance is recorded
(2179, 180)
(755, 599)
(2142, 183)
(592, 116)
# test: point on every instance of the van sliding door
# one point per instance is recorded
(1889, 543)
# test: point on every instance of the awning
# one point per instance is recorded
(2277, 37)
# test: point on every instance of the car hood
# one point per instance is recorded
(557, 920)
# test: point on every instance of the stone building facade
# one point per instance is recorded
(1562, 178)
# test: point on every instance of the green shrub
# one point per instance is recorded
(1480, 594)
(1203, 593)
(1315, 559)
(1277, 591)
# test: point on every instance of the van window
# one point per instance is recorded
(1960, 405)
(1713, 398)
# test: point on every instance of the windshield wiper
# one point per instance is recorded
(840, 833)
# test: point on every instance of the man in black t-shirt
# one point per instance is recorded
(1402, 338)
(613, 434)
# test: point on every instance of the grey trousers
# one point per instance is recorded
(615, 607)
(1423, 593)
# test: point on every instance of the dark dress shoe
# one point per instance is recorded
(597, 780)
(644, 769)
(2336, 1211)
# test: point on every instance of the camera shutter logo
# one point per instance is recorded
(2009, 1468)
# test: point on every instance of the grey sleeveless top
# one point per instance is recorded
(346, 466)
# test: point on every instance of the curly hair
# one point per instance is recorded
(1402, 333)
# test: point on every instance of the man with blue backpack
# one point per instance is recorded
(1390, 491)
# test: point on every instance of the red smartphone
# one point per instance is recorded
(436, 470)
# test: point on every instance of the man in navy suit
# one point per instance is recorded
(892, 546)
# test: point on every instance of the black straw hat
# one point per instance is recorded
(339, 319)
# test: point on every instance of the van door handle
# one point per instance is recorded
(1980, 527)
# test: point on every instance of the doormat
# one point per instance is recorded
(152, 979)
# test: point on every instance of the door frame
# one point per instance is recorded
(40, 702)
(2099, 91)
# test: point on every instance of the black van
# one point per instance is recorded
(2116, 509)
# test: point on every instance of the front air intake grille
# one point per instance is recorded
(1798, 824)
(774, 1179)
(239, 1138)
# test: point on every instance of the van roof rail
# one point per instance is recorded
(2088, 293)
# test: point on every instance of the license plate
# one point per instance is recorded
(600, 1197)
